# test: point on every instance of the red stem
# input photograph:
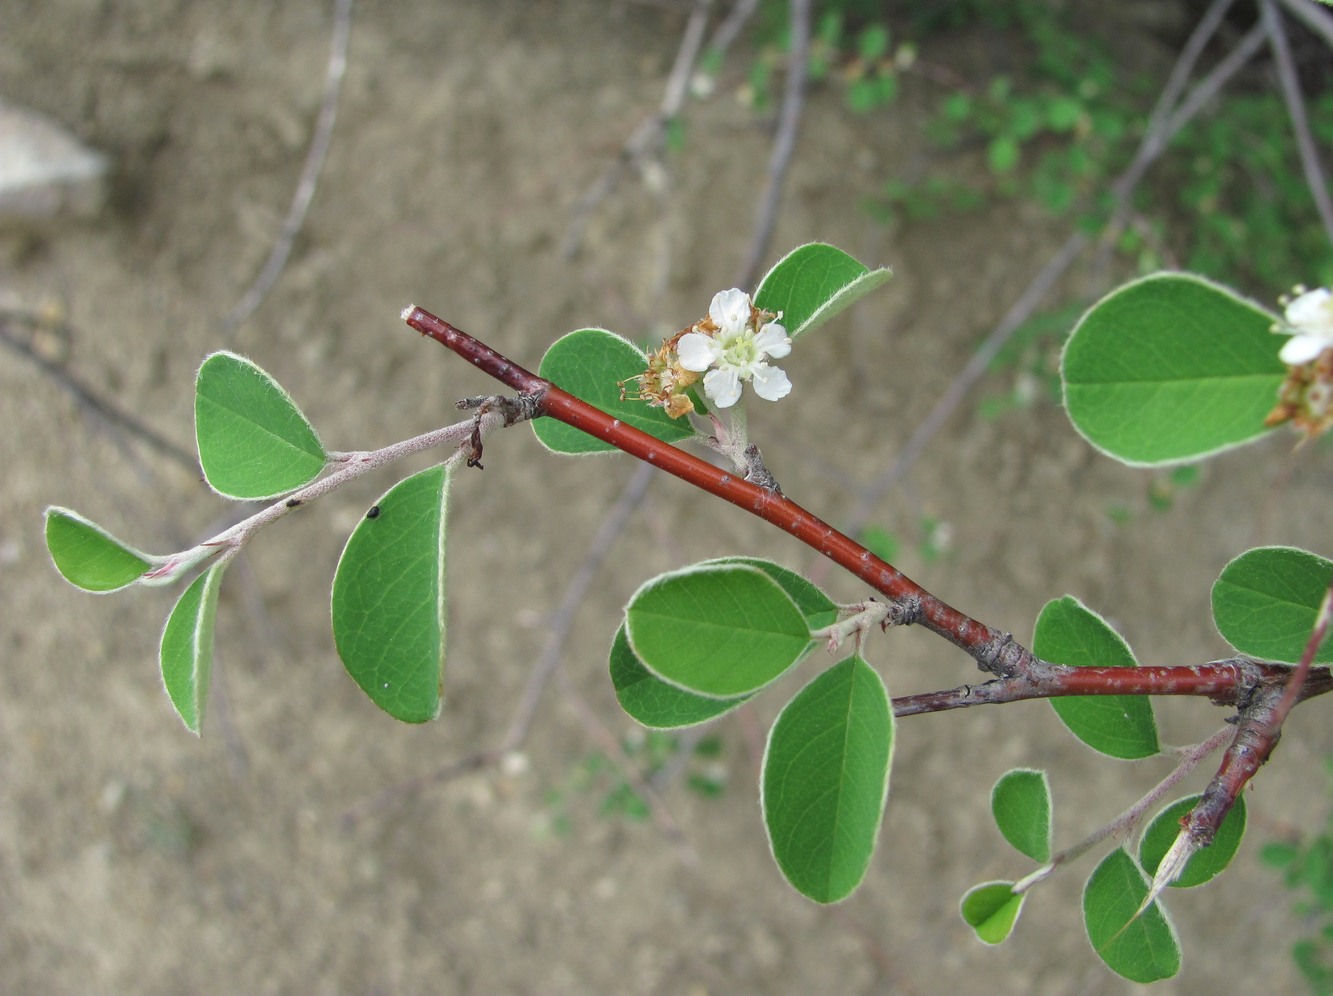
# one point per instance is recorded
(1224, 682)
(1256, 688)
(1021, 674)
(996, 652)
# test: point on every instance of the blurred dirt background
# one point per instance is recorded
(135, 858)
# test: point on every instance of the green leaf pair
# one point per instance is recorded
(1021, 805)
(700, 642)
(808, 286)
(91, 558)
(1143, 947)
(388, 593)
(1265, 604)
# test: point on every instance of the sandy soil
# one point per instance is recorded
(134, 858)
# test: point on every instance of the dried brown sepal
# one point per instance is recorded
(1305, 398)
(665, 381)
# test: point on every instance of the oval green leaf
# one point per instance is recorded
(1143, 949)
(388, 598)
(1266, 600)
(1171, 368)
(814, 282)
(819, 610)
(721, 630)
(1122, 726)
(654, 703)
(89, 557)
(1206, 863)
(1021, 803)
(991, 909)
(826, 778)
(591, 364)
(254, 443)
(186, 651)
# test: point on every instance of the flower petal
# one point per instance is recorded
(730, 310)
(1312, 313)
(697, 351)
(770, 383)
(773, 341)
(1302, 349)
(723, 387)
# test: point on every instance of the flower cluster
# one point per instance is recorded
(1308, 319)
(732, 345)
(1305, 397)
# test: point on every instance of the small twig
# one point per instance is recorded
(1300, 673)
(1226, 682)
(511, 411)
(995, 652)
(730, 28)
(88, 397)
(305, 187)
(1314, 17)
(646, 140)
(784, 142)
(966, 379)
(1124, 824)
(666, 823)
(228, 543)
(1157, 134)
(1257, 732)
(1300, 125)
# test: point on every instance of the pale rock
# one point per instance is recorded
(45, 172)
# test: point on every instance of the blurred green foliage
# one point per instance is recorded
(1307, 871)
(1229, 199)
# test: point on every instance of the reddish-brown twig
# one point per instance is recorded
(995, 652)
(1255, 688)
(1020, 673)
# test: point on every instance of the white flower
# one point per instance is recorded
(1309, 322)
(735, 351)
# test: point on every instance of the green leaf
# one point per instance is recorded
(1068, 632)
(89, 557)
(1266, 600)
(813, 283)
(1144, 950)
(388, 598)
(1021, 802)
(1206, 863)
(654, 703)
(1002, 154)
(826, 778)
(991, 909)
(254, 442)
(186, 652)
(1171, 368)
(819, 610)
(721, 630)
(591, 364)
